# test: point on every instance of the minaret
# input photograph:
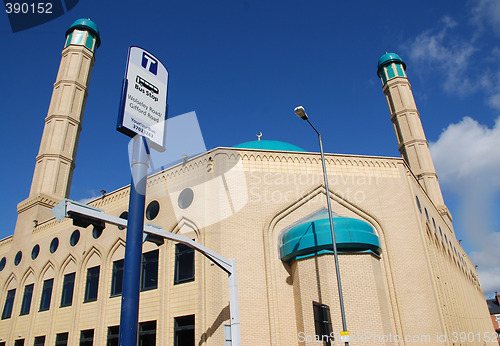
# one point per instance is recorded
(56, 157)
(412, 143)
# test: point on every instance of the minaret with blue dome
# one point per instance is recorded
(56, 157)
(412, 142)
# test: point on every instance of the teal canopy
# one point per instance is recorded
(314, 237)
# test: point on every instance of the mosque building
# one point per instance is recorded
(405, 277)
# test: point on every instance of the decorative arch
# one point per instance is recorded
(69, 264)
(293, 213)
(92, 258)
(28, 277)
(117, 247)
(48, 270)
(186, 222)
(11, 282)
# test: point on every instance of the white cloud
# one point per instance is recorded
(487, 12)
(467, 159)
(437, 49)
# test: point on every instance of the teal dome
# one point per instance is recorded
(386, 59)
(86, 24)
(314, 237)
(269, 145)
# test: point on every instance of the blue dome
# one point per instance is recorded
(269, 145)
(386, 59)
(314, 237)
(86, 24)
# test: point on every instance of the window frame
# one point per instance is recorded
(185, 326)
(65, 289)
(113, 336)
(145, 332)
(92, 284)
(46, 298)
(63, 342)
(183, 253)
(117, 275)
(87, 338)
(149, 270)
(27, 298)
(9, 304)
(322, 322)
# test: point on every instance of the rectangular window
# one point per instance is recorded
(62, 339)
(9, 304)
(68, 288)
(87, 337)
(322, 322)
(117, 278)
(92, 286)
(19, 342)
(147, 333)
(26, 304)
(113, 335)
(39, 341)
(46, 294)
(184, 330)
(149, 274)
(184, 264)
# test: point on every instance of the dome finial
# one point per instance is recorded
(259, 135)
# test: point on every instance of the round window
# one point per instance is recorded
(54, 244)
(123, 215)
(35, 251)
(18, 258)
(2, 263)
(96, 232)
(75, 237)
(152, 210)
(185, 198)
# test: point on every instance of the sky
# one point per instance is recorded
(243, 66)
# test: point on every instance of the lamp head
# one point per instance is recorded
(301, 112)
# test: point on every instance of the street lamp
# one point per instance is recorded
(301, 113)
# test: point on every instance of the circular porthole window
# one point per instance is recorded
(96, 232)
(35, 251)
(17, 259)
(54, 244)
(185, 198)
(2, 263)
(123, 215)
(152, 210)
(75, 237)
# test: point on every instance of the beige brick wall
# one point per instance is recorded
(417, 287)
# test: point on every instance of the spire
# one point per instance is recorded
(56, 157)
(410, 134)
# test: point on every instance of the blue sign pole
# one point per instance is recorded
(133, 249)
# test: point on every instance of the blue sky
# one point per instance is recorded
(243, 66)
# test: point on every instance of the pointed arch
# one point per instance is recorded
(29, 277)
(11, 282)
(69, 264)
(92, 258)
(48, 270)
(186, 223)
(117, 247)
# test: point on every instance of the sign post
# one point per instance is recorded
(142, 115)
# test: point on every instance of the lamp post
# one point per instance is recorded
(301, 113)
